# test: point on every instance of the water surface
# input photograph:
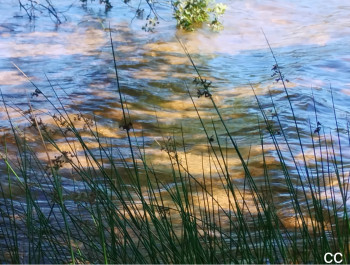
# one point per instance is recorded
(308, 39)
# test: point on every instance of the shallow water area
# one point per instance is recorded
(72, 64)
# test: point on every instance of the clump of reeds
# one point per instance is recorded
(121, 210)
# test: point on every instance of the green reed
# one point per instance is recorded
(123, 210)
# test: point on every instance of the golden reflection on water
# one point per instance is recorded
(79, 42)
(10, 78)
(160, 74)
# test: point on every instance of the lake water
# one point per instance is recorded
(308, 38)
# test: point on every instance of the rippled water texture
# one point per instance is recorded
(309, 38)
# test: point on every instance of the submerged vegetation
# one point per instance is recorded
(192, 13)
(189, 14)
(32, 8)
(125, 209)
